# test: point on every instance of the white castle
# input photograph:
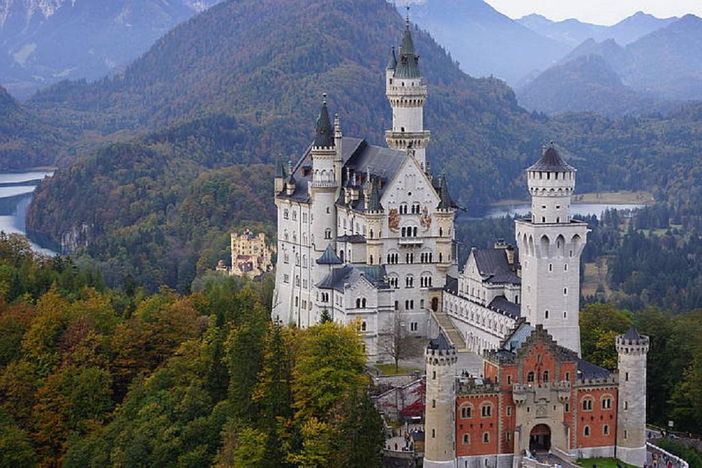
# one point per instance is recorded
(366, 233)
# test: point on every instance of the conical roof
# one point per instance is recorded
(324, 132)
(279, 169)
(408, 64)
(446, 201)
(440, 343)
(329, 257)
(551, 161)
(632, 334)
(392, 60)
(374, 200)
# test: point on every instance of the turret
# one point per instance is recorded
(632, 349)
(326, 179)
(280, 175)
(290, 183)
(407, 93)
(440, 430)
(551, 182)
(550, 244)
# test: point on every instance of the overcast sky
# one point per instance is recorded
(596, 11)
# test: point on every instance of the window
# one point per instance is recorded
(565, 267)
(606, 402)
(466, 412)
(626, 376)
(285, 214)
(605, 429)
(327, 233)
(545, 376)
(486, 437)
(433, 403)
(466, 439)
(433, 375)
(486, 410)
(586, 431)
(363, 326)
(567, 407)
(546, 314)
(550, 267)
(565, 291)
(509, 411)
(565, 314)
(433, 433)
(530, 377)
(626, 405)
(286, 279)
(509, 380)
(587, 404)
(413, 326)
(567, 376)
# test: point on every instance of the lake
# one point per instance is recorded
(16, 189)
(581, 209)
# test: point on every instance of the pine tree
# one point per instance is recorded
(361, 437)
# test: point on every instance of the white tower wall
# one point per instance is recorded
(440, 429)
(631, 413)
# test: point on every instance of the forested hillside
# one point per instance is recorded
(215, 92)
(91, 376)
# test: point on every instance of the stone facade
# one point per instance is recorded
(535, 395)
(251, 255)
(365, 233)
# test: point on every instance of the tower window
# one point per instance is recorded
(565, 291)
(530, 377)
(550, 267)
(486, 437)
(545, 376)
(466, 439)
(586, 431)
(626, 376)
(433, 403)
(587, 404)
(486, 410)
(466, 412)
(546, 314)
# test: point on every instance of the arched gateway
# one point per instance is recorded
(540, 438)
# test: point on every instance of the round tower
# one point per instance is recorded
(445, 215)
(632, 349)
(407, 92)
(550, 244)
(326, 181)
(439, 425)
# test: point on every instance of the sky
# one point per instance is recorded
(596, 11)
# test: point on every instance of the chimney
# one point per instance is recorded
(509, 250)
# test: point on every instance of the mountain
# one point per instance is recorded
(668, 61)
(44, 41)
(665, 65)
(584, 84)
(570, 31)
(215, 92)
(180, 126)
(574, 32)
(484, 41)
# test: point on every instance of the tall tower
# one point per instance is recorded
(550, 245)
(406, 91)
(440, 429)
(326, 181)
(631, 413)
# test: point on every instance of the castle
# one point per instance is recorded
(366, 236)
(365, 233)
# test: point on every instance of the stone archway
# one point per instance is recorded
(540, 438)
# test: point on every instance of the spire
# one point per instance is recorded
(408, 65)
(551, 161)
(291, 178)
(279, 168)
(392, 60)
(632, 334)
(446, 202)
(324, 133)
(374, 201)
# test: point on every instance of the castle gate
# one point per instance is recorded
(540, 438)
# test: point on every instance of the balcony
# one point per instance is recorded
(410, 241)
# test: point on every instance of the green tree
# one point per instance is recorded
(15, 446)
(361, 436)
(599, 326)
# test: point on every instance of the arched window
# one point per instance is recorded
(358, 303)
(586, 431)
(530, 377)
(466, 411)
(466, 439)
(606, 402)
(545, 376)
(486, 410)
(587, 404)
(363, 302)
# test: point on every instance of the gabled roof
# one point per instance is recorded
(350, 274)
(551, 161)
(494, 266)
(352, 239)
(329, 257)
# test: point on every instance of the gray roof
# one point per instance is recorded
(352, 239)
(329, 257)
(349, 274)
(588, 370)
(493, 265)
(446, 202)
(551, 161)
(451, 285)
(502, 305)
(440, 343)
(324, 132)
(392, 60)
(631, 334)
(408, 65)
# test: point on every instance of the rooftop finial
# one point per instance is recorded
(324, 98)
(407, 21)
